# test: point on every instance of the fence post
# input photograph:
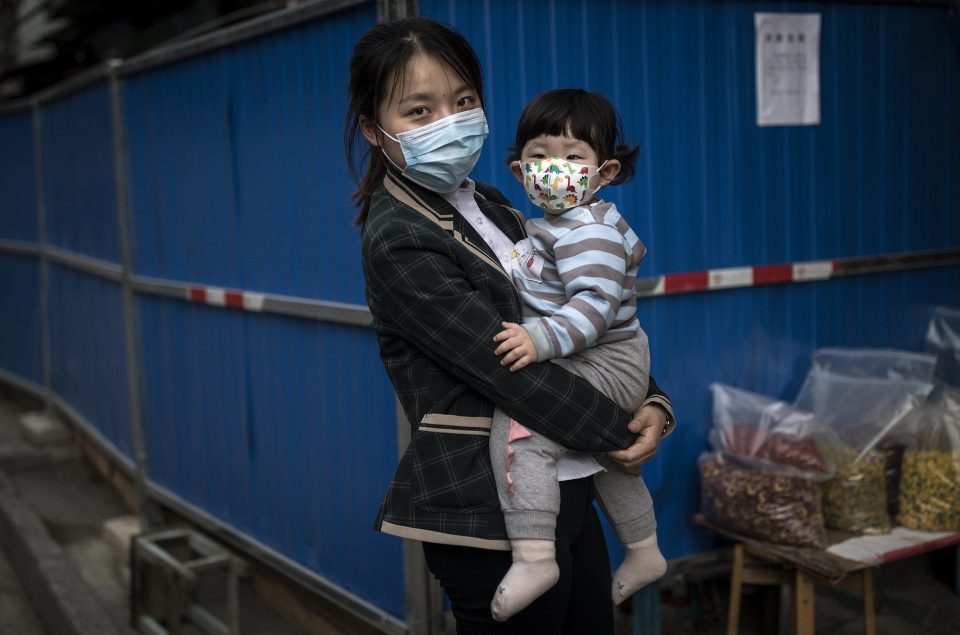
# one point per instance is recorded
(130, 315)
(425, 615)
(44, 262)
(390, 9)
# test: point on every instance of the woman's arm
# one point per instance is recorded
(416, 286)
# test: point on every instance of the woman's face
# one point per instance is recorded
(429, 90)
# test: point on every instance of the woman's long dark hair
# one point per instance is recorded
(376, 71)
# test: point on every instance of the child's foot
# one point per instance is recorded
(642, 565)
(534, 570)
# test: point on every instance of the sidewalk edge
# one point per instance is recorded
(65, 603)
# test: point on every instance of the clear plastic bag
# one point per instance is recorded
(943, 340)
(767, 434)
(865, 396)
(771, 506)
(930, 474)
(862, 394)
(875, 363)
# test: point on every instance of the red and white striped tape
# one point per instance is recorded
(735, 277)
(674, 283)
(808, 271)
(215, 296)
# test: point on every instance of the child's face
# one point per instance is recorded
(569, 149)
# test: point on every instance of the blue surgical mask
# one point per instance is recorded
(440, 155)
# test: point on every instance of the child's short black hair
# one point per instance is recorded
(586, 116)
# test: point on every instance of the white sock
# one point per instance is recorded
(642, 565)
(533, 572)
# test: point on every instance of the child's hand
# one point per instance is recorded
(516, 343)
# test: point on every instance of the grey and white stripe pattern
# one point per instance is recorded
(584, 294)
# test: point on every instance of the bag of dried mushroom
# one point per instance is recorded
(865, 396)
(763, 478)
(930, 474)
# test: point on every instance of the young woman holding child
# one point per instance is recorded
(435, 260)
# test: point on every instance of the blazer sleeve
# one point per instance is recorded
(656, 397)
(416, 287)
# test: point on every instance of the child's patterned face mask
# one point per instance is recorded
(556, 184)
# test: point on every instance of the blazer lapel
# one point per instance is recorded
(438, 210)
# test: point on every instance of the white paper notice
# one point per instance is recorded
(788, 68)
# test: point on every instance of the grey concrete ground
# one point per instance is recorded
(17, 615)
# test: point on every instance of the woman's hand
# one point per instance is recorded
(648, 422)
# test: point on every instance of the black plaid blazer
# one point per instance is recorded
(438, 295)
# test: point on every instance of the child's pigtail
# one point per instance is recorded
(627, 156)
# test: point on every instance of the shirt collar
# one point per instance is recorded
(467, 187)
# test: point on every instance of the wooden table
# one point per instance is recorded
(766, 563)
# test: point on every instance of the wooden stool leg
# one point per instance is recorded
(736, 586)
(803, 591)
(869, 614)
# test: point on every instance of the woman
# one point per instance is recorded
(433, 253)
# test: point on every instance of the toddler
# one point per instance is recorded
(575, 274)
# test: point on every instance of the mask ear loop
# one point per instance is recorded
(387, 156)
(601, 184)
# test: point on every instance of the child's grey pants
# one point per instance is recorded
(620, 370)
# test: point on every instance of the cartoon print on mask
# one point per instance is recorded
(553, 184)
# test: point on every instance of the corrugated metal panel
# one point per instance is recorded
(20, 317)
(181, 181)
(293, 189)
(282, 428)
(78, 177)
(714, 190)
(18, 220)
(323, 414)
(88, 360)
(236, 164)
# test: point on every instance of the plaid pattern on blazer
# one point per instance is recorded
(438, 295)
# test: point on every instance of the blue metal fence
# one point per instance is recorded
(275, 426)
(245, 145)
(284, 428)
(88, 363)
(79, 184)
(20, 353)
(20, 318)
(18, 220)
